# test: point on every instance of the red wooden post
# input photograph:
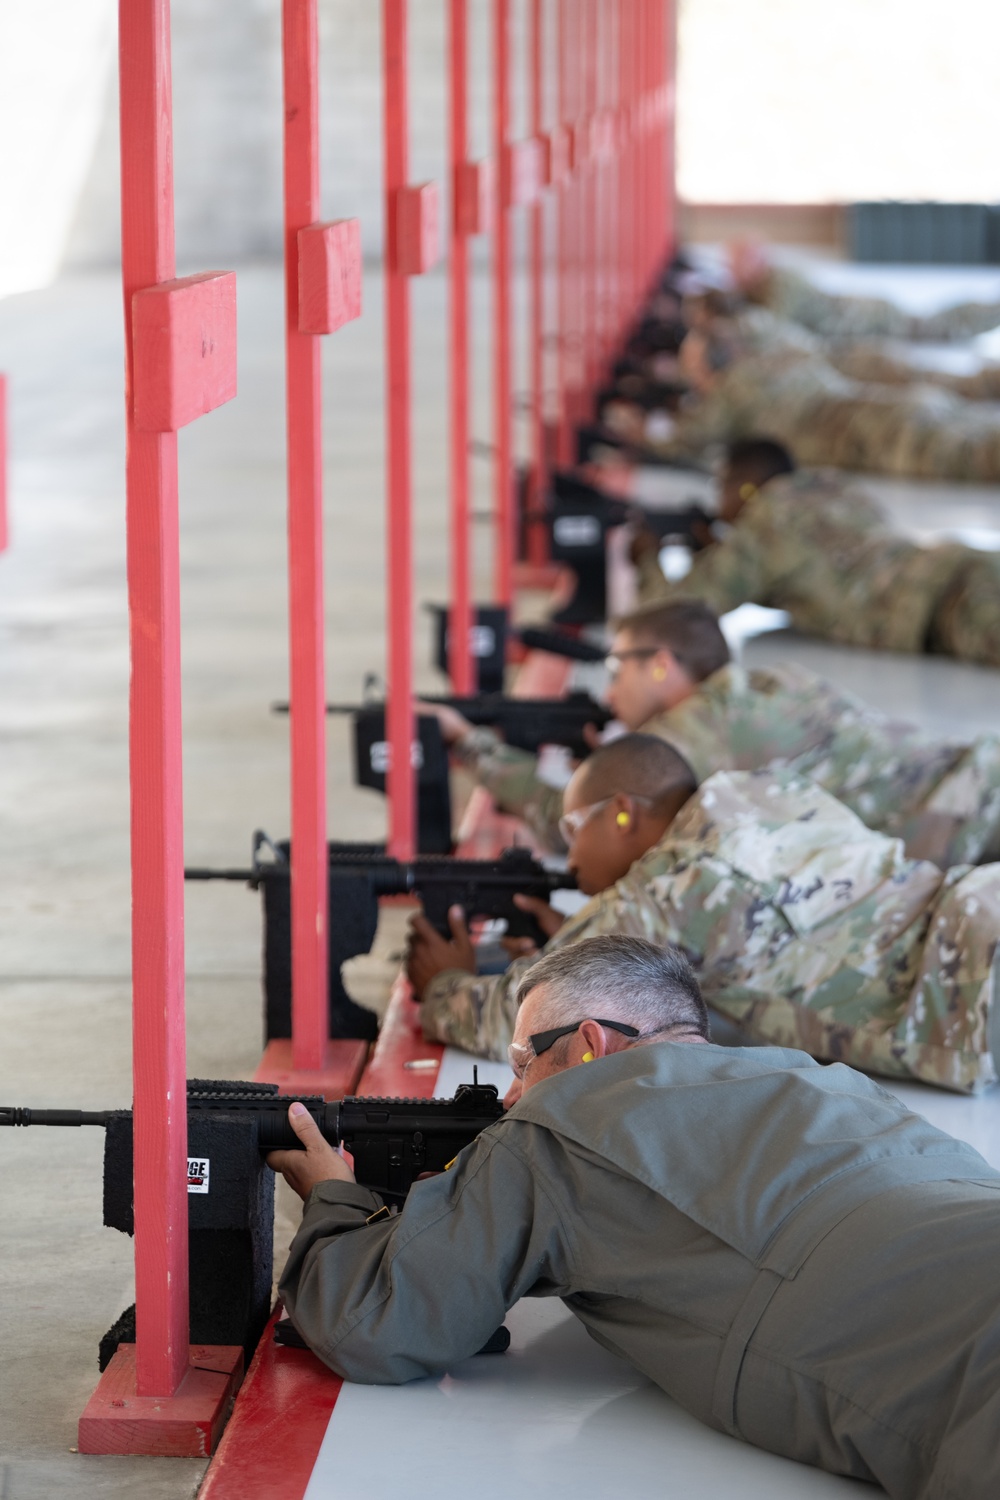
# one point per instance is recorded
(399, 543)
(4, 525)
(461, 662)
(537, 549)
(564, 237)
(670, 126)
(158, 1061)
(503, 503)
(587, 203)
(303, 387)
(160, 1395)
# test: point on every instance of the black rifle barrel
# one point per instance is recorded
(17, 1116)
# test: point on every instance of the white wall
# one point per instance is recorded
(779, 100)
(805, 101)
(55, 59)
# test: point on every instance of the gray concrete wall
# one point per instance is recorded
(227, 123)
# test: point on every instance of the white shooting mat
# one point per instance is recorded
(559, 1416)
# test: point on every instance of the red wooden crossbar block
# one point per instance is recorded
(187, 1424)
(474, 197)
(184, 349)
(329, 275)
(417, 229)
(4, 533)
(520, 173)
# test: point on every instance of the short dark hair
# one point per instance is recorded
(640, 765)
(622, 978)
(759, 458)
(687, 628)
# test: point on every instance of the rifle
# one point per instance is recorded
(392, 1140)
(358, 875)
(581, 516)
(231, 1193)
(527, 723)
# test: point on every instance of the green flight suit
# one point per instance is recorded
(942, 800)
(804, 927)
(784, 1249)
(815, 545)
(791, 295)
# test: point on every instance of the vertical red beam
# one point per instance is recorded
(503, 503)
(563, 240)
(461, 663)
(537, 548)
(158, 1044)
(399, 543)
(570, 332)
(616, 185)
(300, 55)
(670, 125)
(588, 197)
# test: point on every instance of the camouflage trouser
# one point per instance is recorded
(897, 431)
(959, 822)
(966, 619)
(949, 1032)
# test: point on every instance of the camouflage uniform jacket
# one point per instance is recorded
(771, 389)
(806, 928)
(942, 800)
(812, 544)
(793, 296)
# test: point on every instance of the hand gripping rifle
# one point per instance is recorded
(231, 1193)
(526, 723)
(358, 876)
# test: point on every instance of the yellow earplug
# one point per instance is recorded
(587, 1057)
(747, 491)
(623, 820)
(659, 673)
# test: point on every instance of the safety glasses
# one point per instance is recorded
(520, 1054)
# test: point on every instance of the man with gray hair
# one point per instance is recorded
(783, 1248)
(650, 994)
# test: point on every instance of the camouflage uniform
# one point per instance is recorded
(869, 361)
(876, 365)
(793, 296)
(811, 544)
(787, 390)
(804, 927)
(942, 800)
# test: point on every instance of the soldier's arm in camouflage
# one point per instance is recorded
(732, 571)
(477, 1012)
(511, 777)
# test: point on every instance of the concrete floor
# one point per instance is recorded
(64, 930)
